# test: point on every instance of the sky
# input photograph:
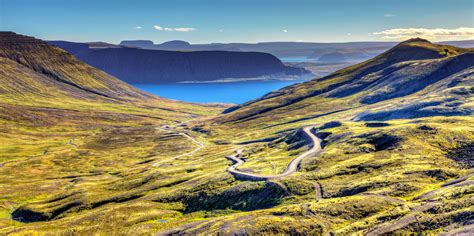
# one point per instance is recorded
(207, 21)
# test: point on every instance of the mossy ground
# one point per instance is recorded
(122, 177)
(84, 165)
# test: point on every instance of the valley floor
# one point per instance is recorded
(146, 178)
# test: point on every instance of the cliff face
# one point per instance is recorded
(154, 66)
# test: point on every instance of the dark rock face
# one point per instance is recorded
(384, 141)
(464, 154)
(155, 66)
(380, 142)
(27, 216)
(376, 124)
(246, 196)
(331, 124)
(296, 139)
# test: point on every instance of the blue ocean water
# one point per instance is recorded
(235, 92)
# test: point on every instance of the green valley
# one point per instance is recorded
(84, 153)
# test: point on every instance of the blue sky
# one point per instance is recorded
(205, 21)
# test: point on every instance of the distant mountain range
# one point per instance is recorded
(320, 52)
(136, 65)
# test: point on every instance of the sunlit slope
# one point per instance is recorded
(384, 168)
(411, 68)
(397, 148)
(58, 65)
(34, 73)
(61, 118)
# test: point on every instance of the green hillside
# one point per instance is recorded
(396, 133)
(396, 130)
(51, 104)
(403, 70)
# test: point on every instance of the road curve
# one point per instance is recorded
(292, 166)
(167, 129)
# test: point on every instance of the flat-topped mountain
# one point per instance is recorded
(411, 68)
(135, 65)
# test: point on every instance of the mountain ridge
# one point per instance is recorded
(40, 57)
(355, 79)
(47, 76)
(361, 50)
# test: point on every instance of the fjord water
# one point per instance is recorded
(295, 59)
(232, 92)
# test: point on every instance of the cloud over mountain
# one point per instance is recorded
(433, 34)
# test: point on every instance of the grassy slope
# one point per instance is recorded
(358, 166)
(124, 178)
(67, 125)
(403, 59)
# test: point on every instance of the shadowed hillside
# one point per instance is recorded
(135, 65)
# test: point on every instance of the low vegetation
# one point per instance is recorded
(105, 166)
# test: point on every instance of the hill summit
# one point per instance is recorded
(409, 69)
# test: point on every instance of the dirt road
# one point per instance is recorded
(292, 167)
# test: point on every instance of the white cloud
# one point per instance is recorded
(432, 34)
(221, 30)
(160, 28)
(389, 15)
(285, 31)
(137, 27)
(184, 29)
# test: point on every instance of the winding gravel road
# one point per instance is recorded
(292, 167)
(200, 145)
